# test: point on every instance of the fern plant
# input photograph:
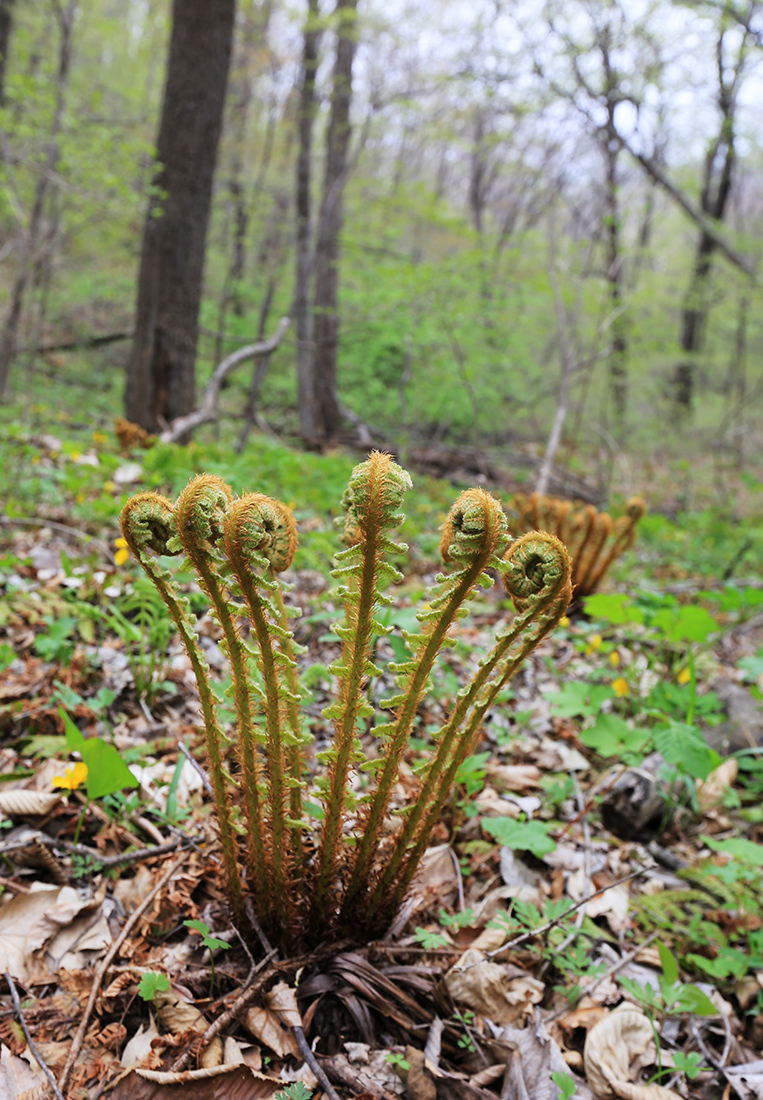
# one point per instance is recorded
(593, 539)
(346, 876)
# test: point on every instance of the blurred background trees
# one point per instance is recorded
(458, 205)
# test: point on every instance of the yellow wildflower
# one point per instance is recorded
(595, 642)
(684, 676)
(564, 621)
(620, 687)
(72, 778)
(614, 659)
(100, 437)
(109, 486)
(123, 552)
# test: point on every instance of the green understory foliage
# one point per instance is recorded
(346, 875)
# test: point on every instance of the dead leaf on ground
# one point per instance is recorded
(266, 1027)
(514, 777)
(235, 1082)
(28, 921)
(502, 993)
(179, 1015)
(139, 1048)
(710, 791)
(17, 1078)
(749, 1078)
(613, 1049)
(23, 803)
(532, 1056)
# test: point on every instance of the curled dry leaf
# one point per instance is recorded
(710, 791)
(514, 777)
(614, 1046)
(21, 803)
(532, 1055)
(503, 994)
(235, 1082)
(271, 1025)
(178, 1015)
(139, 1048)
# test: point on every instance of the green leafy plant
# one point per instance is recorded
(348, 875)
(212, 943)
(151, 984)
(430, 940)
(565, 1084)
(140, 619)
(296, 1091)
(395, 1058)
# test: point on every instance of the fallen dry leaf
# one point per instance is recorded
(28, 921)
(514, 777)
(533, 1057)
(612, 1047)
(139, 1047)
(21, 803)
(235, 1082)
(17, 1078)
(267, 1028)
(178, 1015)
(501, 993)
(710, 791)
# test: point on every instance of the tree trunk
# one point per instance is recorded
(6, 24)
(32, 236)
(161, 371)
(716, 188)
(301, 309)
(618, 352)
(325, 318)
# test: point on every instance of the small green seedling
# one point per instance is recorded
(212, 943)
(396, 1059)
(152, 984)
(565, 1084)
(430, 940)
(296, 1091)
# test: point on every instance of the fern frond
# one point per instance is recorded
(201, 512)
(474, 532)
(371, 503)
(537, 577)
(149, 528)
(260, 538)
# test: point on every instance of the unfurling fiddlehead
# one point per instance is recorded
(536, 574)
(260, 538)
(593, 541)
(307, 886)
(371, 503)
(149, 528)
(474, 531)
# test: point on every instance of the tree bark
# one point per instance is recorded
(161, 371)
(715, 193)
(6, 24)
(33, 234)
(325, 317)
(618, 352)
(301, 309)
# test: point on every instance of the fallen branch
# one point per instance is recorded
(30, 1042)
(207, 411)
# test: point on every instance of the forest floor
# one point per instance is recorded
(589, 917)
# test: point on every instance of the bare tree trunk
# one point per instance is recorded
(32, 237)
(301, 310)
(162, 369)
(6, 25)
(271, 256)
(716, 188)
(325, 317)
(618, 354)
